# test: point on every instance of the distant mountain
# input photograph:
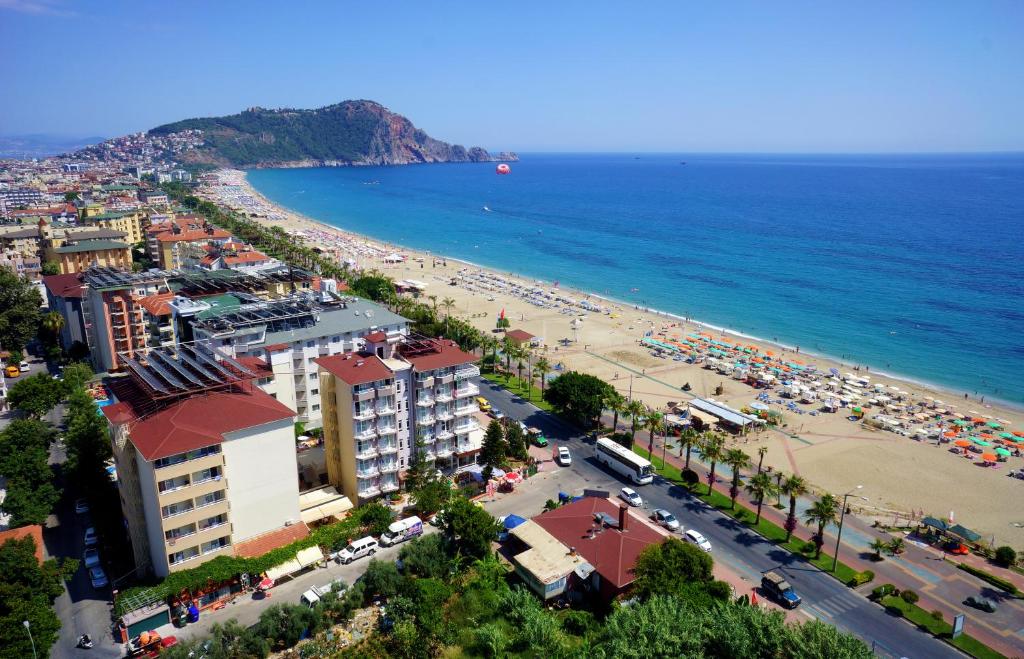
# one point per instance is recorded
(26, 147)
(347, 133)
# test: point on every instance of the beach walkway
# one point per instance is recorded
(924, 570)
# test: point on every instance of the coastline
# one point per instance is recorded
(611, 350)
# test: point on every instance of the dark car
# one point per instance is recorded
(776, 587)
(980, 603)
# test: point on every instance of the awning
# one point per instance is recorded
(935, 523)
(309, 556)
(965, 533)
(706, 419)
(283, 570)
(322, 503)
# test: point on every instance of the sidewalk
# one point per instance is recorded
(938, 582)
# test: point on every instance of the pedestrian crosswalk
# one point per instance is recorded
(835, 606)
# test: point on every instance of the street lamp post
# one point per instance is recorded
(28, 628)
(842, 516)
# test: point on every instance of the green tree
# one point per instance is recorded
(376, 517)
(468, 528)
(50, 268)
(543, 367)
(431, 496)
(382, 578)
(27, 591)
(615, 402)
(491, 640)
(52, 323)
(635, 410)
(427, 557)
(86, 439)
(374, 286)
(24, 462)
(672, 567)
(516, 439)
(228, 640)
(494, 449)
(688, 438)
(76, 376)
(578, 396)
(36, 395)
(760, 487)
(421, 470)
(712, 448)
(896, 546)
(794, 487)
(878, 546)
(822, 512)
(655, 423)
(1006, 556)
(284, 624)
(737, 461)
(19, 311)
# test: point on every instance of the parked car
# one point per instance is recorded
(402, 530)
(25, 368)
(12, 371)
(630, 496)
(91, 557)
(81, 506)
(666, 519)
(90, 537)
(776, 587)
(98, 577)
(980, 603)
(957, 548)
(358, 549)
(564, 457)
(314, 594)
(696, 537)
(483, 404)
(497, 414)
(537, 437)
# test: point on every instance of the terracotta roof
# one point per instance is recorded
(519, 336)
(157, 304)
(256, 364)
(273, 347)
(376, 337)
(612, 552)
(202, 421)
(262, 544)
(355, 368)
(447, 354)
(118, 413)
(246, 257)
(69, 285)
(34, 531)
(192, 229)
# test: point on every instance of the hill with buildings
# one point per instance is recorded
(347, 133)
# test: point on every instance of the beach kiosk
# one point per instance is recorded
(726, 416)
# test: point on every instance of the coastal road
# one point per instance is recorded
(745, 552)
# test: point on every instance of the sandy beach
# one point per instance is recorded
(909, 473)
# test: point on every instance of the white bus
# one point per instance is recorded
(624, 461)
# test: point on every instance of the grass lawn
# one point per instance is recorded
(516, 386)
(769, 530)
(940, 628)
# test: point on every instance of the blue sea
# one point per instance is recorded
(912, 265)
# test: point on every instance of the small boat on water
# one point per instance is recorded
(486, 209)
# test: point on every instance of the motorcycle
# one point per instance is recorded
(84, 642)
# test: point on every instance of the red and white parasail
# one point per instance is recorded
(503, 169)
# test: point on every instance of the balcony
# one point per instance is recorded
(444, 414)
(427, 420)
(371, 472)
(389, 486)
(387, 390)
(467, 426)
(447, 378)
(424, 401)
(363, 414)
(425, 383)
(388, 449)
(467, 389)
(463, 410)
(385, 409)
(367, 452)
(365, 433)
(428, 439)
(387, 430)
(389, 467)
(299, 366)
(445, 434)
(466, 447)
(361, 395)
(444, 451)
(370, 491)
(467, 371)
(443, 397)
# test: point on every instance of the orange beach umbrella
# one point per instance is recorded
(988, 457)
(962, 442)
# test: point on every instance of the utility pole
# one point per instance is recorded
(842, 516)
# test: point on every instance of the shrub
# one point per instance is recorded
(909, 596)
(892, 609)
(861, 578)
(879, 592)
(996, 581)
(1006, 556)
(809, 547)
(690, 477)
(937, 615)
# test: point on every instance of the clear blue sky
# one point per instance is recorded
(870, 75)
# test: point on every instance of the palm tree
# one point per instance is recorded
(53, 323)
(617, 404)
(688, 438)
(543, 367)
(519, 354)
(822, 512)
(760, 457)
(712, 448)
(896, 546)
(508, 346)
(433, 301)
(448, 304)
(493, 344)
(635, 411)
(761, 486)
(878, 546)
(655, 423)
(795, 486)
(737, 461)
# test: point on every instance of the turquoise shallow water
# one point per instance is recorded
(910, 264)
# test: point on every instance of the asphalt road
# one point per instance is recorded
(745, 552)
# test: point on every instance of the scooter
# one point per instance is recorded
(85, 642)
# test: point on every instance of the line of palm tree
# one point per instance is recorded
(508, 348)
(878, 546)
(737, 461)
(635, 411)
(896, 546)
(712, 449)
(655, 423)
(617, 404)
(688, 438)
(448, 304)
(822, 512)
(793, 487)
(760, 457)
(761, 486)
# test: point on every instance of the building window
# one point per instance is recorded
(209, 499)
(214, 545)
(316, 407)
(314, 392)
(182, 556)
(335, 339)
(310, 344)
(176, 509)
(312, 376)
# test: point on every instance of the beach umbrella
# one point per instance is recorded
(1003, 451)
(963, 443)
(1018, 433)
(980, 442)
(988, 457)
(994, 424)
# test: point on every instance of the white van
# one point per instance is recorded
(313, 595)
(402, 530)
(357, 549)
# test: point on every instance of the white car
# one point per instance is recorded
(666, 519)
(630, 496)
(25, 368)
(564, 457)
(698, 539)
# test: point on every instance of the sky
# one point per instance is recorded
(746, 76)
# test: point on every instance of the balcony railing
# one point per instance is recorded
(463, 410)
(425, 383)
(427, 420)
(387, 390)
(370, 491)
(468, 371)
(444, 451)
(390, 467)
(385, 409)
(424, 401)
(443, 397)
(367, 452)
(445, 434)
(388, 449)
(467, 389)
(365, 433)
(389, 486)
(466, 447)
(364, 414)
(467, 426)
(368, 473)
(444, 415)
(387, 430)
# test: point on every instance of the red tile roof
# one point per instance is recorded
(376, 337)
(261, 544)
(613, 553)
(251, 256)
(158, 304)
(519, 336)
(35, 532)
(192, 229)
(447, 354)
(69, 286)
(355, 368)
(255, 364)
(202, 420)
(274, 347)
